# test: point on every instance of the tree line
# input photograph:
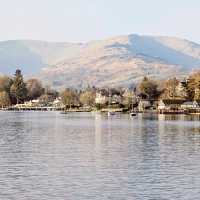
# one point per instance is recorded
(14, 90)
(148, 88)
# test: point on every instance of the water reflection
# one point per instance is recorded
(179, 117)
(85, 156)
(98, 131)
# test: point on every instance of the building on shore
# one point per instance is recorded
(57, 102)
(102, 97)
(28, 104)
(170, 105)
(190, 105)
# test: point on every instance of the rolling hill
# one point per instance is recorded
(117, 61)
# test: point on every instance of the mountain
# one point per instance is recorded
(31, 56)
(117, 61)
(125, 59)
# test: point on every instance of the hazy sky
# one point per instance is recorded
(84, 20)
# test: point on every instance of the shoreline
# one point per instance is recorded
(97, 111)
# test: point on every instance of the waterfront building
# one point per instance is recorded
(170, 104)
(57, 102)
(190, 105)
(102, 97)
(28, 104)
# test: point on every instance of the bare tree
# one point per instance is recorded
(69, 97)
(87, 98)
(4, 99)
(34, 88)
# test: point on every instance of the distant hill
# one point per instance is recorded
(31, 56)
(117, 61)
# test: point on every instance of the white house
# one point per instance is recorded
(28, 104)
(101, 98)
(170, 104)
(190, 105)
(161, 105)
(57, 102)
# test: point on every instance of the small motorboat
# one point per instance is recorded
(133, 114)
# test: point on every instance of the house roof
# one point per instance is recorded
(188, 103)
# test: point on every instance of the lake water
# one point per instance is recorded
(49, 156)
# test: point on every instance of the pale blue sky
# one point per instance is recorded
(84, 20)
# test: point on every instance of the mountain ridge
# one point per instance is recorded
(119, 60)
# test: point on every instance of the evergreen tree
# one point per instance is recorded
(194, 86)
(191, 88)
(18, 88)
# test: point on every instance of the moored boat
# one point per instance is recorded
(132, 114)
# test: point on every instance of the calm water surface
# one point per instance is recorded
(49, 156)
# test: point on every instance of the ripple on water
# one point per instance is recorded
(46, 155)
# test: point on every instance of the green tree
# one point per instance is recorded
(194, 86)
(191, 85)
(18, 89)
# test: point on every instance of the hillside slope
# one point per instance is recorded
(31, 56)
(123, 60)
(119, 60)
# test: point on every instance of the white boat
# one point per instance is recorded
(132, 114)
